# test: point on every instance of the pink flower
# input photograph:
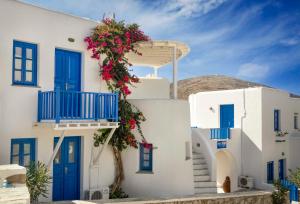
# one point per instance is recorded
(132, 123)
(106, 76)
(125, 90)
(126, 79)
(96, 55)
(127, 34)
(147, 145)
(104, 44)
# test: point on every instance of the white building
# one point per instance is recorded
(42, 50)
(253, 117)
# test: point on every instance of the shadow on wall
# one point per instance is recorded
(252, 161)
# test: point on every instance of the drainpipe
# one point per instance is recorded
(242, 124)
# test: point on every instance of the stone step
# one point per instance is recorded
(206, 190)
(205, 184)
(202, 178)
(199, 161)
(198, 156)
(200, 172)
(199, 166)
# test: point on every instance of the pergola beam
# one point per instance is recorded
(174, 72)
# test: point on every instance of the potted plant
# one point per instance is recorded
(37, 180)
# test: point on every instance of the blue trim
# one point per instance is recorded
(67, 186)
(60, 105)
(281, 169)
(221, 144)
(270, 172)
(293, 190)
(143, 161)
(276, 120)
(227, 116)
(21, 142)
(220, 134)
(23, 58)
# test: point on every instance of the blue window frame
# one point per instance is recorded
(22, 151)
(146, 157)
(276, 120)
(270, 172)
(24, 70)
(281, 169)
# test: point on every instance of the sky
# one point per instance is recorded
(255, 40)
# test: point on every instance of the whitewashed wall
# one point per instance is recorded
(168, 128)
(258, 143)
(221, 162)
(272, 150)
(205, 113)
(49, 30)
(151, 88)
(18, 105)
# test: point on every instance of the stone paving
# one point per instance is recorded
(248, 197)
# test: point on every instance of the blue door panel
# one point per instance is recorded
(68, 78)
(227, 116)
(67, 70)
(66, 170)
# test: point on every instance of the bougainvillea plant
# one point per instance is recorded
(111, 40)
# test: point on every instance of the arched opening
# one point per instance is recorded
(226, 166)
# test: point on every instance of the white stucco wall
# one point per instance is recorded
(258, 143)
(151, 88)
(48, 30)
(272, 150)
(18, 105)
(205, 113)
(221, 162)
(167, 127)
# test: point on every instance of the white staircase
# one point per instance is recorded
(202, 181)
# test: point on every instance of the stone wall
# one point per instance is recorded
(251, 197)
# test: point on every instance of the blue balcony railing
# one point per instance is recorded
(293, 189)
(220, 133)
(75, 105)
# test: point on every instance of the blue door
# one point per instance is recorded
(281, 169)
(67, 70)
(227, 116)
(68, 78)
(66, 170)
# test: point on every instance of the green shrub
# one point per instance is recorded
(119, 193)
(279, 194)
(37, 180)
(295, 176)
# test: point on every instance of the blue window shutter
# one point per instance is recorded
(276, 120)
(21, 152)
(146, 164)
(281, 169)
(24, 71)
(270, 172)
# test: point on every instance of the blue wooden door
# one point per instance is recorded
(66, 170)
(227, 116)
(281, 169)
(67, 70)
(68, 78)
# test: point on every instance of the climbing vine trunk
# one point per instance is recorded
(119, 172)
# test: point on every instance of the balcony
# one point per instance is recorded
(220, 133)
(76, 105)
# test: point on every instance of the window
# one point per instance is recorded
(24, 64)
(281, 169)
(270, 172)
(295, 121)
(146, 157)
(22, 151)
(276, 120)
